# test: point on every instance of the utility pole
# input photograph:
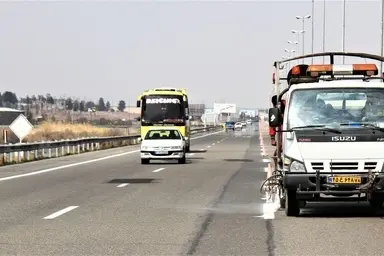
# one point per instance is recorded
(324, 19)
(313, 25)
(343, 35)
(382, 35)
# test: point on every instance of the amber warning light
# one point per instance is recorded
(353, 69)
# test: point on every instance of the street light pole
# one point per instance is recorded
(343, 35)
(302, 28)
(298, 32)
(324, 15)
(313, 25)
(382, 35)
(303, 18)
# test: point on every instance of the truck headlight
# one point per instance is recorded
(297, 167)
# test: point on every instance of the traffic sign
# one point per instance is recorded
(21, 127)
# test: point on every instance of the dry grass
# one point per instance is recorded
(60, 131)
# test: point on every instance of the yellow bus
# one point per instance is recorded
(165, 107)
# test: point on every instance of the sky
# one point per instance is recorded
(219, 51)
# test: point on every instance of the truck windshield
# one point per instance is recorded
(163, 109)
(335, 106)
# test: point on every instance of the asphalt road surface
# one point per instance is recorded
(107, 203)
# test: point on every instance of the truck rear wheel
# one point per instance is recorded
(187, 149)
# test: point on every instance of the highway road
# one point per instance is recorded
(107, 203)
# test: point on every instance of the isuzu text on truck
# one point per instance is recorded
(332, 135)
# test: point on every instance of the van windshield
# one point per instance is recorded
(335, 106)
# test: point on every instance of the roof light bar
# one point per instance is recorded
(352, 69)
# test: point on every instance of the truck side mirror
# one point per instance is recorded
(274, 117)
(138, 103)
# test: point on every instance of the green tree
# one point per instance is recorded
(108, 106)
(10, 99)
(50, 99)
(82, 106)
(121, 105)
(76, 105)
(89, 104)
(101, 106)
(68, 104)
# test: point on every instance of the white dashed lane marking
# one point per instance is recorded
(123, 185)
(61, 212)
(158, 170)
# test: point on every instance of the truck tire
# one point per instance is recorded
(376, 201)
(292, 205)
(182, 160)
(144, 161)
(282, 202)
(187, 149)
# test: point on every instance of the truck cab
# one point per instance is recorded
(332, 135)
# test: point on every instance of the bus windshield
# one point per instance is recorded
(167, 109)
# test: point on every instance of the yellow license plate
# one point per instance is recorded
(344, 179)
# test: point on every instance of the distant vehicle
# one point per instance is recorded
(165, 107)
(163, 144)
(238, 125)
(244, 124)
(229, 126)
(249, 121)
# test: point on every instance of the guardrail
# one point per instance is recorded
(26, 152)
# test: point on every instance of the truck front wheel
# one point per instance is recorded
(292, 205)
(376, 201)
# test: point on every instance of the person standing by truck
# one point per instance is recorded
(272, 130)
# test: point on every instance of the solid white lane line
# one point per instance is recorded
(61, 212)
(191, 154)
(123, 185)
(158, 170)
(86, 162)
(67, 166)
